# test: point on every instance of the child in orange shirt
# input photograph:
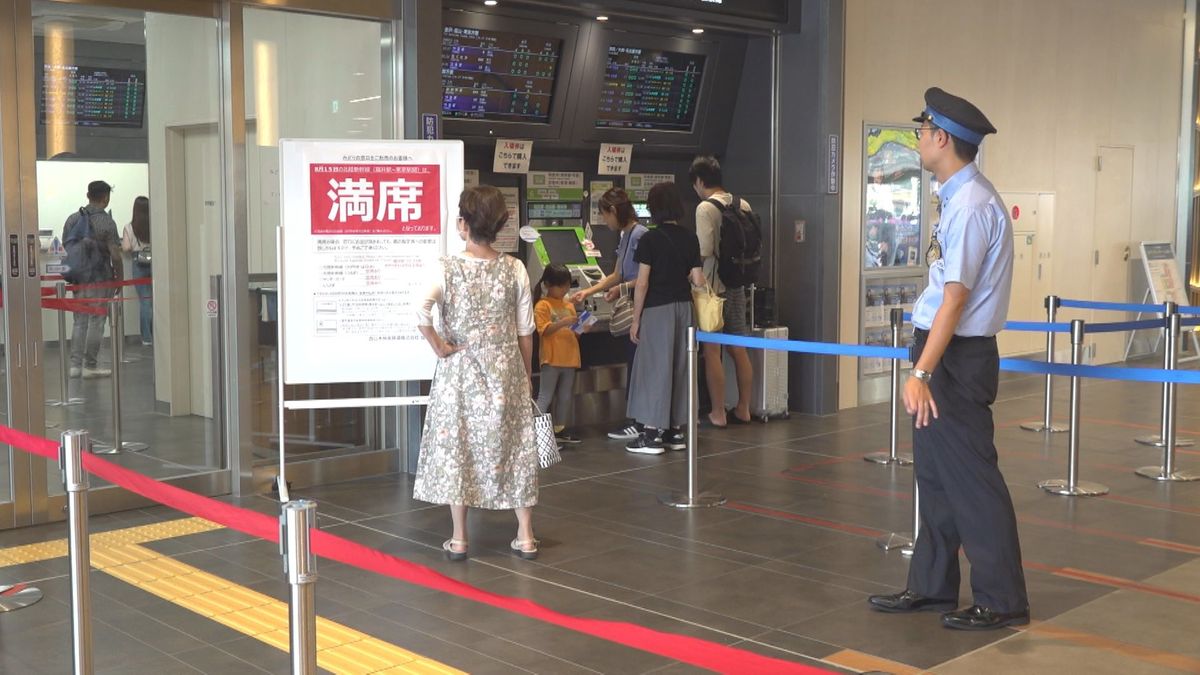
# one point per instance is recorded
(554, 317)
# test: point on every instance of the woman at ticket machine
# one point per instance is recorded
(618, 214)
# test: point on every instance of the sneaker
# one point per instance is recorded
(672, 439)
(645, 444)
(567, 439)
(625, 433)
(75, 371)
(93, 373)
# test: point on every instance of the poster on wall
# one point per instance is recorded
(891, 198)
(507, 239)
(362, 225)
(638, 184)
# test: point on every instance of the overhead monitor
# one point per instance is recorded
(563, 246)
(649, 89)
(499, 76)
(93, 97)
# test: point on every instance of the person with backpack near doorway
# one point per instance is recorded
(731, 245)
(93, 256)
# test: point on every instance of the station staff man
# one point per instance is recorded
(963, 499)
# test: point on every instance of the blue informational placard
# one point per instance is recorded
(429, 126)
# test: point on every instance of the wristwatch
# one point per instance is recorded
(922, 375)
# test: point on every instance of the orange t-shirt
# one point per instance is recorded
(560, 348)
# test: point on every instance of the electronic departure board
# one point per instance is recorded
(97, 97)
(500, 76)
(649, 89)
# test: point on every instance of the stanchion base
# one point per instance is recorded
(74, 400)
(680, 500)
(894, 540)
(1038, 426)
(1157, 473)
(1083, 488)
(108, 449)
(886, 458)
(18, 596)
(1156, 441)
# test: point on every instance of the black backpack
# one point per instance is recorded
(87, 259)
(740, 244)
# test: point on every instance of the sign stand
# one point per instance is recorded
(1164, 284)
(362, 224)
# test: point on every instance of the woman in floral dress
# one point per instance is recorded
(478, 447)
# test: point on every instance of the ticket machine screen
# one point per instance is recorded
(641, 210)
(563, 248)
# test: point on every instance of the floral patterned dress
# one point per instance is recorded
(478, 445)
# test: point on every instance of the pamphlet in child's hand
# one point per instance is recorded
(583, 321)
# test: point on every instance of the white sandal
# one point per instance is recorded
(451, 554)
(521, 548)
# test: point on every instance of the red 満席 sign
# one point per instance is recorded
(375, 198)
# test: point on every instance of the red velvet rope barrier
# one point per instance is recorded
(694, 651)
(73, 305)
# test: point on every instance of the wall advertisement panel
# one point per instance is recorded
(362, 226)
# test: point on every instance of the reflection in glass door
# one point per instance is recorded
(125, 118)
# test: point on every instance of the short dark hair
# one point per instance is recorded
(98, 190)
(665, 204)
(965, 151)
(616, 200)
(707, 169)
(485, 212)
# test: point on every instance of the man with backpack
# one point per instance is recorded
(93, 256)
(730, 243)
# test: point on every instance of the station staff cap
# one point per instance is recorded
(958, 116)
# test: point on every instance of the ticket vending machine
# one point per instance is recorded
(565, 246)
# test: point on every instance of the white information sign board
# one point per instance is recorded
(512, 156)
(1162, 273)
(363, 224)
(638, 184)
(614, 159)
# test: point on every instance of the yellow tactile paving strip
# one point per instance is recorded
(118, 553)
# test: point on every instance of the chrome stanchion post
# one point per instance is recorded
(1047, 423)
(300, 567)
(1169, 357)
(75, 481)
(116, 315)
(892, 456)
(694, 498)
(1072, 486)
(64, 398)
(1167, 471)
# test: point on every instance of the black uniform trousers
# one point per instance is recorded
(963, 499)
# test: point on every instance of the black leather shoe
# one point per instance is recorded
(982, 618)
(907, 601)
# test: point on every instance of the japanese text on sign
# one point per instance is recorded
(512, 156)
(375, 198)
(614, 159)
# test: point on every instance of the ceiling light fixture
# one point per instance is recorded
(490, 3)
(697, 31)
(602, 18)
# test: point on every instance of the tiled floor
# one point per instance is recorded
(783, 569)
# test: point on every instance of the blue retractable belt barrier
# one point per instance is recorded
(1187, 309)
(830, 348)
(1012, 365)
(1030, 326)
(1112, 306)
(1122, 325)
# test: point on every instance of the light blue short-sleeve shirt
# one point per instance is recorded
(625, 250)
(975, 235)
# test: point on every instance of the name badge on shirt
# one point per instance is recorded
(934, 252)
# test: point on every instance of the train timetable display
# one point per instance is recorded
(97, 97)
(649, 89)
(490, 75)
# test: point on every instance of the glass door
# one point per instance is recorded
(114, 115)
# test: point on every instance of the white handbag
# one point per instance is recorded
(543, 433)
